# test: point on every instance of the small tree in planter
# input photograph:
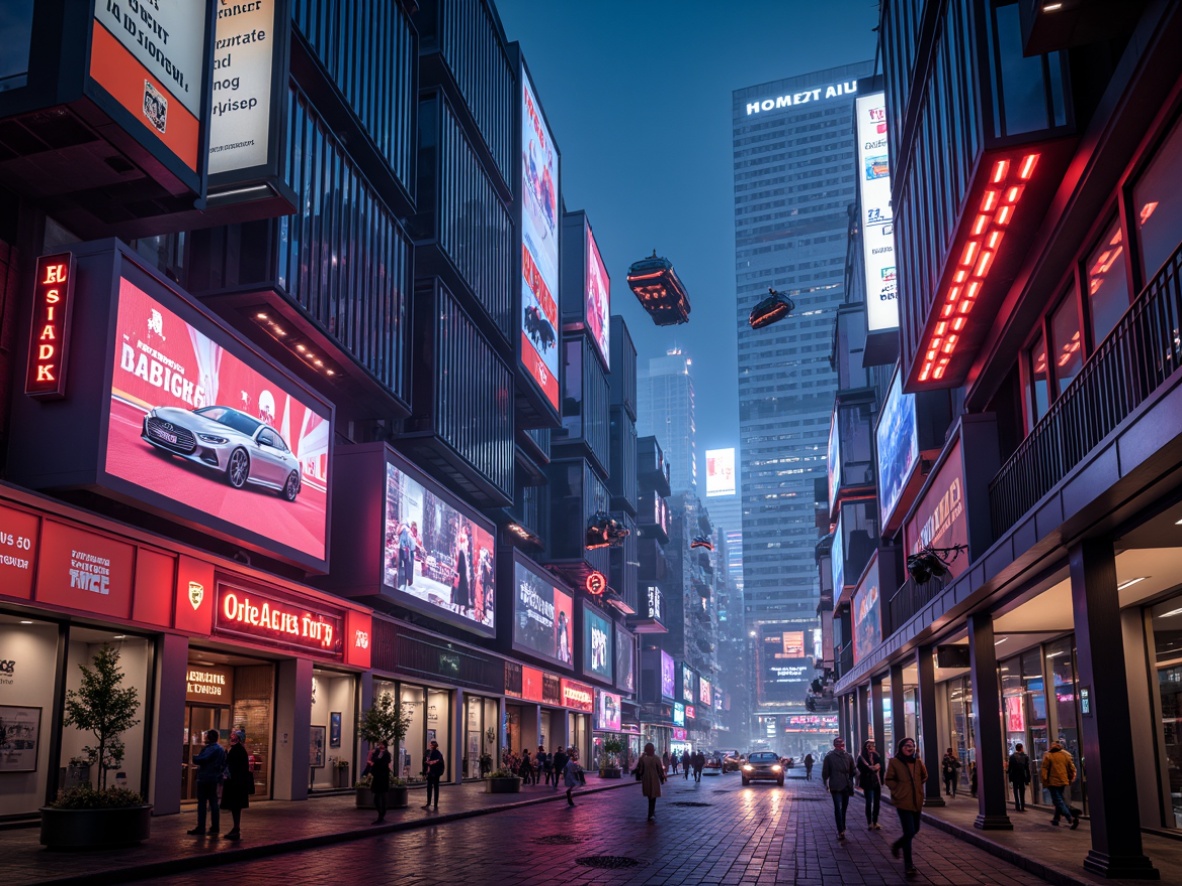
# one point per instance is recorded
(610, 764)
(102, 707)
(385, 720)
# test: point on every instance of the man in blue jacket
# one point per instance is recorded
(210, 763)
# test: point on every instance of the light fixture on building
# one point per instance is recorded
(1130, 582)
(605, 531)
(929, 563)
(771, 310)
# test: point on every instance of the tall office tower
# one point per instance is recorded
(794, 182)
(665, 410)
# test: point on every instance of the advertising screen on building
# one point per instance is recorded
(240, 124)
(720, 472)
(193, 425)
(597, 644)
(539, 247)
(599, 302)
(438, 559)
(543, 616)
(938, 519)
(898, 446)
(834, 460)
(678, 714)
(705, 695)
(837, 559)
(783, 664)
(625, 660)
(608, 712)
(867, 613)
(668, 680)
(874, 190)
(687, 684)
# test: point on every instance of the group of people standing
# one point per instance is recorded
(224, 781)
(692, 764)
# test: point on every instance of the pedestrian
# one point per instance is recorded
(570, 775)
(380, 762)
(526, 769)
(237, 789)
(905, 777)
(665, 760)
(973, 777)
(685, 765)
(1018, 772)
(1058, 772)
(808, 767)
(837, 774)
(211, 764)
(950, 768)
(673, 759)
(870, 775)
(540, 764)
(560, 760)
(652, 776)
(699, 765)
(434, 765)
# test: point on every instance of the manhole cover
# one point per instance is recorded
(610, 862)
(559, 840)
(690, 803)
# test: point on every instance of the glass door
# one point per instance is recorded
(199, 719)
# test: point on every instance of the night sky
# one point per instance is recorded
(638, 95)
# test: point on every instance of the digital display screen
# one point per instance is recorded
(598, 300)
(597, 644)
(783, 663)
(878, 238)
(668, 684)
(720, 472)
(866, 612)
(543, 616)
(704, 692)
(608, 712)
(625, 660)
(898, 446)
(687, 683)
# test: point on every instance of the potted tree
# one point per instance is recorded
(503, 781)
(86, 817)
(387, 721)
(609, 764)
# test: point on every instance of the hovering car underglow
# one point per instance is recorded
(659, 290)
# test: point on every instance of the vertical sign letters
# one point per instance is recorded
(50, 337)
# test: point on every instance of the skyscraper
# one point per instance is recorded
(794, 182)
(665, 410)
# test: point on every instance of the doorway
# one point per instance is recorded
(199, 719)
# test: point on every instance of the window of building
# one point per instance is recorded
(1158, 207)
(1066, 341)
(1108, 284)
(1038, 389)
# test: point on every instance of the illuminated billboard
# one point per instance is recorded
(539, 247)
(687, 683)
(668, 680)
(625, 660)
(597, 644)
(543, 616)
(598, 300)
(678, 714)
(720, 472)
(874, 190)
(866, 613)
(897, 442)
(783, 664)
(240, 120)
(704, 692)
(438, 559)
(194, 425)
(608, 712)
(834, 460)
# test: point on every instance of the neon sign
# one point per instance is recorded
(260, 616)
(53, 299)
(596, 583)
(578, 696)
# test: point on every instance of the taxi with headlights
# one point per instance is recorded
(763, 766)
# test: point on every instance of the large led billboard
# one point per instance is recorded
(625, 660)
(598, 300)
(543, 616)
(194, 425)
(867, 613)
(539, 246)
(597, 644)
(720, 472)
(705, 695)
(687, 684)
(874, 190)
(834, 460)
(783, 663)
(608, 712)
(438, 559)
(668, 680)
(897, 447)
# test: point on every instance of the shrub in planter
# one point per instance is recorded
(503, 781)
(609, 766)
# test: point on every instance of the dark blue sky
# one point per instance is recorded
(639, 97)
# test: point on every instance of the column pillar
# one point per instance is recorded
(172, 659)
(878, 718)
(843, 719)
(929, 724)
(862, 732)
(459, 732)
(898, 714)
(293, 721)
(1112, 792)
(987, 737)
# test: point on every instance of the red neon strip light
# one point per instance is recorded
(989, 202)
(1013, 194)
(1004, 214)
(970, 252)
(980, 223)
(966, 305)
(1028, 166)
(974, 288)
(947, 310)
(999, 171)
(958, 323)
(984, 263)
(994, 239)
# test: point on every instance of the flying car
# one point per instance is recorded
(771, 310)
(701, 541)
(659, 290)
(604, 531)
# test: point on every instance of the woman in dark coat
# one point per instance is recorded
(236, 791)
(379, 770)
(652, 776)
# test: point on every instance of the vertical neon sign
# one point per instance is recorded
(49, 339)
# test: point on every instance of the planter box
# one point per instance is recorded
(95, 828)
(396, 798)
(610, 772)
(504, 785)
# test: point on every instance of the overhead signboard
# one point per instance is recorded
(783, 664)
(49, 337)
(543, 616)
(598, 300)
(245, 48)
(687, 684)
(874, 190)
(668, 680)
(834, 461)
(938, 519)
(720, 472)
(608, 711)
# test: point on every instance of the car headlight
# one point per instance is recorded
(748, 768)
(212, 438)
(775, 769)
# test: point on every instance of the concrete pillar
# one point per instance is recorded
(987, 734)
(459, 737)
(898, 714)
(293, 722)
(878, 718)
(1107, 733)
(172, 659)
(364, 703)
(843, 719)
(862, 729)
(930, 724)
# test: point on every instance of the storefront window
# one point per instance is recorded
(1066, 341)
(1158, 208)
(888, 730)
(1036, 714)
(414, 746)
(333, 729)
(26, 712)
(1061, 664)
(1108, 285)
(910, 706)
(1167, 640)
(480, 738)
(960, 706)
(439, 725)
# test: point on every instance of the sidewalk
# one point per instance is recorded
(268, 828)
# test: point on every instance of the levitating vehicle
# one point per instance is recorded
(771, 310)
(604, 531)
(700, 541)
(659, 290)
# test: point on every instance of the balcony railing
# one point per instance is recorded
(908, 600)
(1131, 363)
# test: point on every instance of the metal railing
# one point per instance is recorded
(1141, 352)
(908, 600)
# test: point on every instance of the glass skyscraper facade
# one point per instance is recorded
(794, 175)
(665, 410)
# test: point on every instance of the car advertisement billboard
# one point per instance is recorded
(867, 613)
(539, 247)
(192, 424)
(597, 644)
(625, 660)
(687, 683)
(783, 664)
(608, 712)
(437, 558)
(897, 446)
(874, 191)
(543, 616)
(668, 680)
(720, 472)
(598, 299)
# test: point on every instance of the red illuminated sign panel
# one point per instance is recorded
(578, 696)
(596, 583)
(358, 638)
(247, 612)
(18, 541)
(50, 337)
(84, 570)
(939, 520)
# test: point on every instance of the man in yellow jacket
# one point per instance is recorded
(1058, 772)
(905, 777)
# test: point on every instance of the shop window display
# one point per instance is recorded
(333, 737)
(26, 712)
(1167, 641)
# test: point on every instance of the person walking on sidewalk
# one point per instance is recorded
(434, 765)
(1058, 772)
(808, 767)
(837, 774)
(541, 762)
(950, 767)
(1018, 772)
(699, 765)
(526, 769)
(210, 763)
(685, 765)
(380, 762)
(870, 775)
(905, 777)
(237, 790)
(652, 776)
(570, 775)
